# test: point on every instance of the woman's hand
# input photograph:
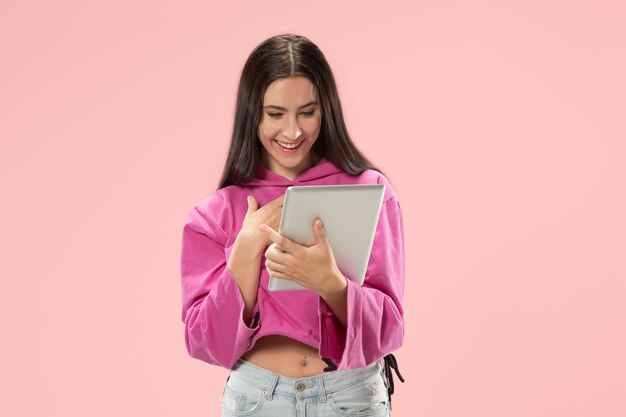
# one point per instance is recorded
(312, 267)
(249, 236)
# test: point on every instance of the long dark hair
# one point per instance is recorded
(281, 56)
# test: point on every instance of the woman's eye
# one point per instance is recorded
(277, 115)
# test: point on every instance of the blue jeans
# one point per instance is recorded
(254, 391)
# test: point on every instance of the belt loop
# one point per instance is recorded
(269, 391)
(320, 386)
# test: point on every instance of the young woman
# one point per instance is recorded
(323, 351)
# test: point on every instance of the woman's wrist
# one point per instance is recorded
(337, 289)
(247, 248)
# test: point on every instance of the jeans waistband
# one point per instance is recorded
(321, 385)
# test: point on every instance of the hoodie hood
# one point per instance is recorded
(266, 178)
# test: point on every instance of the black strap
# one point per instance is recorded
(256, 318)
(391, 362)
(331, 366)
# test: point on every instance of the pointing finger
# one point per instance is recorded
(281, 241)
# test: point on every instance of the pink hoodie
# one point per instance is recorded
(212, 305)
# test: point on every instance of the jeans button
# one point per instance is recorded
(299, 387)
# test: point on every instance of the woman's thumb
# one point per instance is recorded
(252, 203)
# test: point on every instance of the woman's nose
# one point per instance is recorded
(292, 130)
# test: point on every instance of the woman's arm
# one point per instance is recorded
(213, 307)
(244, 266)
(374, 323)
(338, 303)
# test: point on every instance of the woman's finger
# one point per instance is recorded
(275, 267)
(274, 252)
(281, 241)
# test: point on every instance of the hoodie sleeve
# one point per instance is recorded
(375, 323)
(212, 305)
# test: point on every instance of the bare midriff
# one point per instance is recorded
(286, 356)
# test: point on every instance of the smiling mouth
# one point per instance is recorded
(288, 145)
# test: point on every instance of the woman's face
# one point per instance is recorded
(292, 116)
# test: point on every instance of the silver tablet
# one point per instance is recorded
(350, 216)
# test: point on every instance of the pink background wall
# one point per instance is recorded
(501, 127)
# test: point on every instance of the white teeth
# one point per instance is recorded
(288, 146)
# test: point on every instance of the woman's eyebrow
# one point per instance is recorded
(282, 108)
